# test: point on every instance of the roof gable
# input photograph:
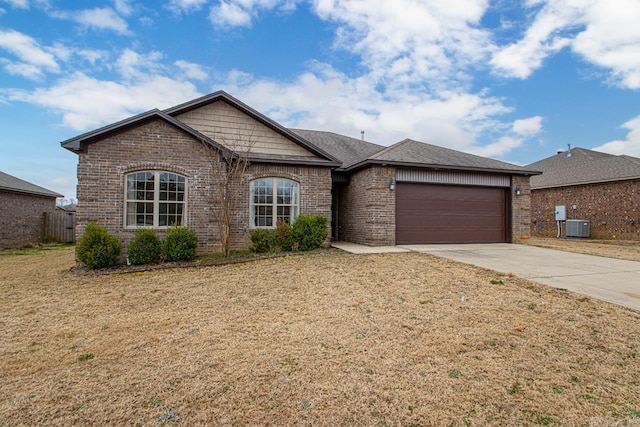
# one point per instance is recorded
(304, 151)
(231, 122)
(11, 183)
(76, 144)
(584, 166)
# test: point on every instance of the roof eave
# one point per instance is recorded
(51, 194)
(295, 162)
(368, 162)
(75, 144)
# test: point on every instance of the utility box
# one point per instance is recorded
(578, 228)
(561, 213)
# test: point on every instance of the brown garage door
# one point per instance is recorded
(427, 213)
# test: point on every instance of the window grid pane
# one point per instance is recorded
(268, 208)
(143, 201)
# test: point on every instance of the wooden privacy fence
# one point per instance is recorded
(60, 226)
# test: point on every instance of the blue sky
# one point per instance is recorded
(515, 81)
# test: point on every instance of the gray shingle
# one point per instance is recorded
(11, 183)
(583, 167)
(348, 150)
(415, 153)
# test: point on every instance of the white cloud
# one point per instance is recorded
(504, 145)
(18, 4)
(104, 18)
(543, 37)
(630, 146)
(604, 32)
(123, 7)
(131, 64)
(85, 102)
(186, 6)
(240, 13)
(191, 70)
(349, 106)
(527, 127)
(28, 50)
(410, 41)
(229, 15)
(611, 40)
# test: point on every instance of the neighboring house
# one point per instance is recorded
(162, 167)
(22, 209)
(601, 188)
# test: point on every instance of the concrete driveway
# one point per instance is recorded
(608, 279)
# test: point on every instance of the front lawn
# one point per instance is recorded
(321, 339)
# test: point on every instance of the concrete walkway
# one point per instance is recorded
(608, 279)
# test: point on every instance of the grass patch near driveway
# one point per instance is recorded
(319, 339)
(621, 249)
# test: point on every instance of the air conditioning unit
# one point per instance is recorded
(577, 228)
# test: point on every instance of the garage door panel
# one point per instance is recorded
(450, 214)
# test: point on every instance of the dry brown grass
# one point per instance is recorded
(621, 249)
(323, 339)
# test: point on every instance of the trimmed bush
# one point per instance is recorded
(180, 244)
(308, 232)
(97, 248)
(284, 236)
(264, 240)
(145, 247)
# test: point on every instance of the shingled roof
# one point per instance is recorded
(356, 154)
(583, 166)
(420, 154)
(346, 149)
(11, 183)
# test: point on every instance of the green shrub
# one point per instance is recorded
(145, 247)
(308, 232)
(284, 235)
(264, 240)
(97, 248)
(180, 244)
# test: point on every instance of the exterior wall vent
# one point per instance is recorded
(577, 228)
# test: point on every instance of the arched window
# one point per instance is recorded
(154, 199)
(273, 200)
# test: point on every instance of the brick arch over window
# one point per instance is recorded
(273, 200)
(154, 198)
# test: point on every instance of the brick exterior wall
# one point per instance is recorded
(22, 218)
(520, 208)
(367, 207)
(156, 145)
(612, 209)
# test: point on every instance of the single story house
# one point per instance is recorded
(165, 167)
(601, 188)
(22, 209)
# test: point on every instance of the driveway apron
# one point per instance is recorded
(607, 279)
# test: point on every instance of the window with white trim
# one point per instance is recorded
(154, 199)
(273, 200)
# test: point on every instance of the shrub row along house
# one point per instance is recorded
(22, 209)
(172, 167)
(601, 188)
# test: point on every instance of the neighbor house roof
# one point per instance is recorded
(581, 166)
(11, 183)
